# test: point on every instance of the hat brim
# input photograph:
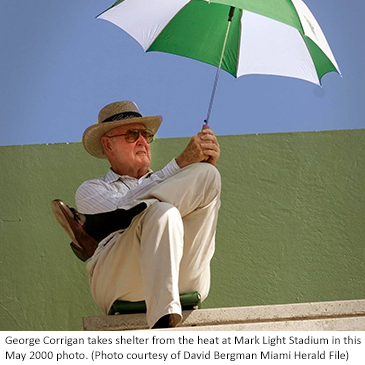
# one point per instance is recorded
(91, 138)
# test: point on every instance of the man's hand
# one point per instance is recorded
(203, 147)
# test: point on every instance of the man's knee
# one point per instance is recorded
(213, 174)
(208, 172)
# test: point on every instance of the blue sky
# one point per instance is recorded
(60, 66)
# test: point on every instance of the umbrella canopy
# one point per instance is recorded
(272, 37)
(275, 37)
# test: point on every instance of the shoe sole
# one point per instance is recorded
(63, 215)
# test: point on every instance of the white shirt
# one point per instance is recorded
(113, 191)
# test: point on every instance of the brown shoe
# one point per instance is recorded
(83, 245)
(167, 321)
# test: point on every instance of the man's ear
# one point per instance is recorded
(105, 141)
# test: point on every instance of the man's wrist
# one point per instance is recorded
(180, 162)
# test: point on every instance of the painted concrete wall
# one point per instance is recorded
(291, 227)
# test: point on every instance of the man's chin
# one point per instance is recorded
(143, 162)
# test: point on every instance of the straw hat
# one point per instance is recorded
(115, 115)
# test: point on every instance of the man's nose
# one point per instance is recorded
(141, 140)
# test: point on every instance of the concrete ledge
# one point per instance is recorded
(319, 316)
(333, 324)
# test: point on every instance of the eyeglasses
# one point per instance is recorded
(133, 134)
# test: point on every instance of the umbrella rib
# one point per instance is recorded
(231, 12)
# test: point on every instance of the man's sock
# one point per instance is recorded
(101, 225)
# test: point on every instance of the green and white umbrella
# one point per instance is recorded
(272, 37)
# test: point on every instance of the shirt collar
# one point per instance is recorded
(112, 176)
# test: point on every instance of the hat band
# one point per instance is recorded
(120, 116)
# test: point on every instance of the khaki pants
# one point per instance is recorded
(166, 251)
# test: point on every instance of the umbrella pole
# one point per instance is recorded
(206, 121)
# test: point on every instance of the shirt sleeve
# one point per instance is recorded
(97, 196)
(170, 169)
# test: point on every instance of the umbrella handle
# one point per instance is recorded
(230, 16)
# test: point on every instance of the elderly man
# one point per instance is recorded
(159, 226)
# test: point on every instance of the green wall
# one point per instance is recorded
(291, 227)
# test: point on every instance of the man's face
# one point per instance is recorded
(128, 157)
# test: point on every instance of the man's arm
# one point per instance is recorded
(98, 196)
(203, 147)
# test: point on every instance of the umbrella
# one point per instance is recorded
(273, 37)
